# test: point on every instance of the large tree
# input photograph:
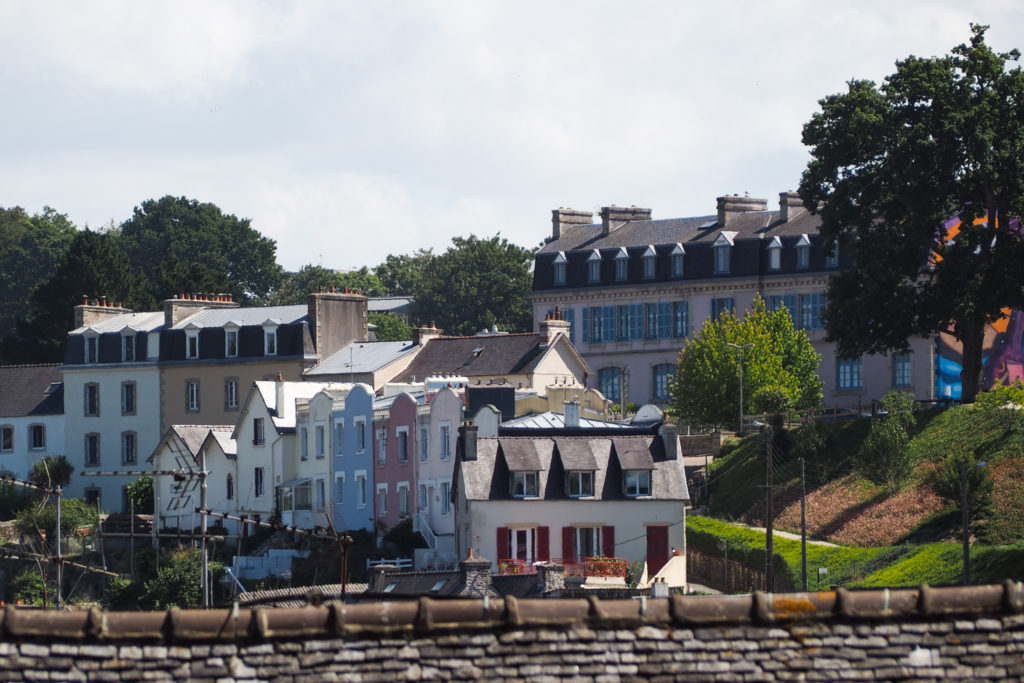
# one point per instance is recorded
(919, 181)
(476, 284)
(181, 243)
(401, 275)
(779, 367)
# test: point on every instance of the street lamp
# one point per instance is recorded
(741, 348)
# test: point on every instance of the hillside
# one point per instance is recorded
(844, 507)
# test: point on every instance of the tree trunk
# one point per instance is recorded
(972, 338)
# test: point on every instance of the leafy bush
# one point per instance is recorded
(141, 492)
(1004, 403)
(28, 588)
(14, 499)
(177, 582)
(884, 457)
(948, 481)
(771, 400)
(74, 513)
(121, 593)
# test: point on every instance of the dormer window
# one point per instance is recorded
(677, 260)
(230, 342)
(580, 484)
(832, 257)
(594, 267)
(775, 254)
(269, 340)
(92, 348)
(192, 344)
(559, 269)
(524, 484)
(637, 483)
(648, 261)
(723, 252)
(803, 252)
(127, 346)
(621, 265)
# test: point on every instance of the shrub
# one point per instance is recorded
(948, 481)
(74, 513)
(141, 492)
(28, 588)
(885, 458)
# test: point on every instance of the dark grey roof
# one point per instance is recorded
(31, 390)
(576, 454)
(361, 357)
(494, 354)
(521, 455)
(147, 321)
(633, 454)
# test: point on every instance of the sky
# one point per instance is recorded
(347, 131)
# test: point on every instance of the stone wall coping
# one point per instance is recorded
(429, 615)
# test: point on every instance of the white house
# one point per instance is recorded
(31, 416)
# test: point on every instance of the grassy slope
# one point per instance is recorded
(907, 538)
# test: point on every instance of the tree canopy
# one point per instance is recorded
(476, 284)
(918, 180)
(778, 361)
(401, 274)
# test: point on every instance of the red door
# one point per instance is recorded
(657, 549)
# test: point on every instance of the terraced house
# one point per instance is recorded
(634, 289)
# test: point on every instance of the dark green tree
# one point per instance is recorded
(943, 137)
(885, 457)
(779, 367)
(391, 327)
(295, 287)
(51, 472)
(141, 493)
(401, 275)
(233, 254)
(476, 284)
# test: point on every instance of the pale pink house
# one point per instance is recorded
(394, 463)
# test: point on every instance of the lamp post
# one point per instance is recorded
(741, 348)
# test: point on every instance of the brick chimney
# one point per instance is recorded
(789, 206)
(551, 325)
(614, 217)
(476, 576)
(424, 333)
(184, 305)
(89, 312)
(564, 218)
(337, 319)
(731, 206)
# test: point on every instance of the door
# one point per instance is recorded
(657, 549)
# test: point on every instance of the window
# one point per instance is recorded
(403, 445)
(360, 424)
(92, 399)
(403, 499)
(522, 544)
(621, 265)
(803, 252)
(36, 437)
(321, 494)
(722, 254)
(608, 324)
(446, 497)
(257, 482)
(650, 321)
(192, 344)
(127, 347)
(339, 437)
(638, 483)
(92, 348)
(581, 483)
(524, 484)
(636, 322)
(677, 260)
(128, 448)
(559, 269)
(594, 267)
(660, 376)
(720, 306)
(339, 488)
(622, 322)
(92, 497)
(192, 395)
(446, 441)
(423, 496)
(257, 431)
(127, 398)
(320, 436)
(680, 319)
(609, 384)
(848, 373)
(648, 262)
(304, 443)
(361, 488)
(775, 254)
(423, 443)
(382, 499)
(231, 342)
(812, 311)
(270, 341)
(832, 257)
(229, 487)
(664, 320)
(787, 301)
(231, 393)
(92, 450)
(6, 438)
(901, 370)
(382, 447)
(587, 542)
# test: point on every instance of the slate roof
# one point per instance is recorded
(488, 476)
(219, 317)
(31, 390)
(552, 420)
(148, 321)
(481, 355)
(362, 357)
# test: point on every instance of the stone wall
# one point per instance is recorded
(925, 634)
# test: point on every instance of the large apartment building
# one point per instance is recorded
(634, 288)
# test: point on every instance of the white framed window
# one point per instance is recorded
(775, 254)
(360, 425)
(92, 399)
(36, 437)
(258, 482)
(637, 483)
(446, 440)
(524, 484)
(722, 249)
(319, 441)
(360, 488)
(231, 393)
(304, 443)
(192, 395)
(621, 265)
(382, 447)
(92, 348)
(128, 398)
(258, 437)
(803, 252)
(901, 375)
(402, 434)
(320, 488)
(231, 342)
(6, 438)
(92, 450)
(270, 341)
(649, 262)
(558, 266)
(423, 500)
(129, 455)
(424, 432)
(677, 260)
(403, 498)
(192, 344)
(587, 542)
(594, 267)
(446, 496)
(382, 499)
(580, 483)
(339, 437)
(128, 347)
(849, 373)
(339, 488)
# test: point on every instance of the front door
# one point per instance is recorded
(657, 549)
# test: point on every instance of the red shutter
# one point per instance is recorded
(543, 543)
(608, 541)
(502, 543)
(568, 538)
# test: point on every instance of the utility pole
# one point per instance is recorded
(60, 568)
(741, 348)
(803, 525)
(769, 569)
(202, 523)
(965, 518)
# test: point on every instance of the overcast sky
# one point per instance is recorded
(350, 130)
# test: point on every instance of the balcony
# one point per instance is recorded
(590, 567)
